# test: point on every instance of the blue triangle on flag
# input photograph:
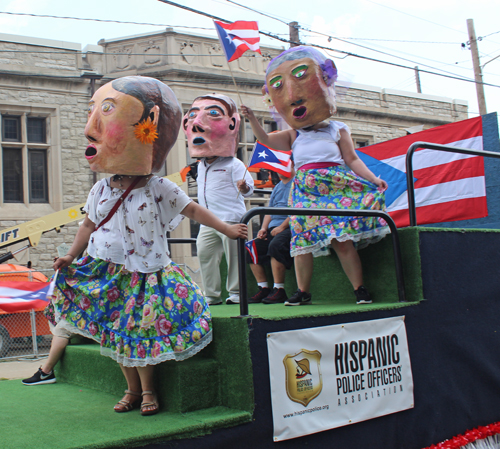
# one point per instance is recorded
(264, 154)
(396, 179)
(227, 42)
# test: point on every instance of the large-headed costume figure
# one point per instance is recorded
(127, 294)
(133, 123)
(212, 128)
(300, 89)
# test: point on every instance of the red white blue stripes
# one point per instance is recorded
(238, 37)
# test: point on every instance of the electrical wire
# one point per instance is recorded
(274, 36)
(46, 16)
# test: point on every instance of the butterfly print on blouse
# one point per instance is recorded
(130, 198)
(130, 252)
(107, 245)
(142, 206)
(158, 199)
(173, 203)
(176, 191)
(102, 201)
(103, 229)
(146, 243)
(145, 264)
(141, 221)
(158, 255)
(130, 231)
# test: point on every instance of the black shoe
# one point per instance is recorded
(263, 292)
(362, 295)
(277, 296)
(299, 298)
(40, 378)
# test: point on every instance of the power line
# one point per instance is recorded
(273, 36)
(416, 17)
(196, 11)
(392, 55)
(46, 16)
(399, 40)
(258, 12)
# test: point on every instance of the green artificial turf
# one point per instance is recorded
(331, 291)
(213, 389)
(67, 416)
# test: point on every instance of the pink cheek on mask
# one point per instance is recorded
(113, 136)
(220, 129)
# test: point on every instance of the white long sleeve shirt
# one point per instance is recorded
(217, 189)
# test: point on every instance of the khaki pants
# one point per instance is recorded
(211, 244)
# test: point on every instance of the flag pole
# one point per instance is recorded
(251, 157)
(234, 81)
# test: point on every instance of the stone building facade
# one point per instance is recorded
(45, 87)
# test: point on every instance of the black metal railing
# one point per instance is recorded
(409, 169)
(323, 212)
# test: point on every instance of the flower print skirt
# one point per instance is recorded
(138, 318)
(334, 188)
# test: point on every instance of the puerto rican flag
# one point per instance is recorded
(252, 250)
(448, 186)
(20, 296)
(270, 159)
(238, 37)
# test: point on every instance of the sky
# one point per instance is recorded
(430, 34)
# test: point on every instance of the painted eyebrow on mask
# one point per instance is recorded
(299, 69)
(216, 106)
(276, 78)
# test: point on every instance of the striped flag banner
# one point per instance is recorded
(448, 186)
(270, 159)
(20, 296)
(238, 37)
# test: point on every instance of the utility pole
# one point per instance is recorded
(417, 79)
(478, 76)
(294, 34)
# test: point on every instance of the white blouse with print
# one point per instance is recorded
(135, 236)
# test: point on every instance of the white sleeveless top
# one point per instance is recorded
(319, 145)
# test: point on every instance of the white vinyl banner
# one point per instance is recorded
(331, 376)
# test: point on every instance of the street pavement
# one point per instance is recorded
(19, 369)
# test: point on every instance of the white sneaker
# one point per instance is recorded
(233, 299)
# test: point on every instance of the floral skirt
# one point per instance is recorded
(139, 319)
(334, 188)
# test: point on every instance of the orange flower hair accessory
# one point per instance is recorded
(145, 131)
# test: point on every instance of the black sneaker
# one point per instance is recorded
(40, 378)
(263, 292)
(362, 295)
(299, 298)
(277, 296)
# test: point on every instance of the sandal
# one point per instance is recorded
(154, 404)
(124, 405)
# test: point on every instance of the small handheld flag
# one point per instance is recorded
(19, 296)
(252, 249)
(238, 37)
(270, 159)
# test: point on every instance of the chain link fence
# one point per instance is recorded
(23, 334)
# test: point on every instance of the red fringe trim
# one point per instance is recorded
(480, 433)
